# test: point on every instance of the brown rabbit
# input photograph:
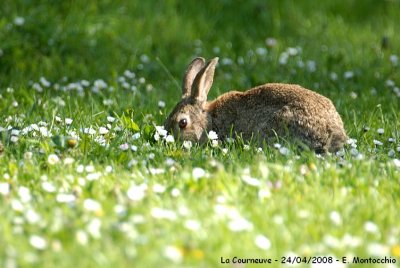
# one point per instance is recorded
(263, 112)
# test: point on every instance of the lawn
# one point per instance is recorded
(88, 179)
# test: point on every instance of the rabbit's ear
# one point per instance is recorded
(193, 69)
(203, 82)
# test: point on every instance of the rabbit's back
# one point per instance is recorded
(279, 109)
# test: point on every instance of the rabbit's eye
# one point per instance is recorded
(182, 123)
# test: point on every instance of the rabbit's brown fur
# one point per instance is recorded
(263, 112)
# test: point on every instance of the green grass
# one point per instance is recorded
(159, 204)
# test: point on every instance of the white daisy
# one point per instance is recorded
(262, 242)
(212, 135)
(38, 242)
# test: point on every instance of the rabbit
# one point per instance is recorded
(264, 112)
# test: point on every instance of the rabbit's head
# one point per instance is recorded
(189, 120)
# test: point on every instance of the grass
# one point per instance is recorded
(92, 192)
